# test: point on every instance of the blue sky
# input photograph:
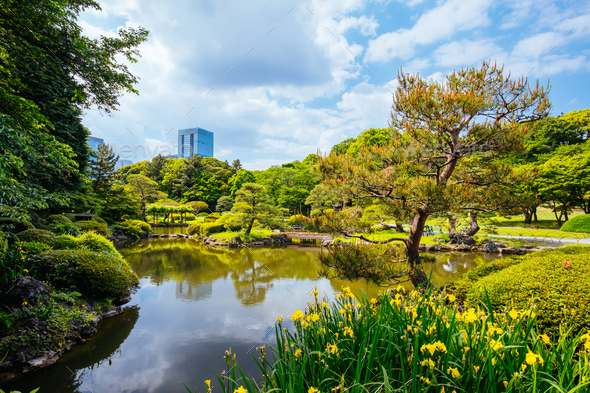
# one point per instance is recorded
(307, 75)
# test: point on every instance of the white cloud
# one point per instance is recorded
(537, 45)
(466, 52)
(436, 24)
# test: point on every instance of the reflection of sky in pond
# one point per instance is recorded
(194, 303)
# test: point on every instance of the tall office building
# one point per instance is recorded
(121, 163)
(94, 142)
(193, 141)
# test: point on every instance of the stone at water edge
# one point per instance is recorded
(14, 291)
(489, 246)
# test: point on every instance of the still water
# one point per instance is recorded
(194, 303)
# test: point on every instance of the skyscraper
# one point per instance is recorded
(193, 141)
(94, 142)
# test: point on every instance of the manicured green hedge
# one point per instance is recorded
(554, 281)
(577, 224)
(463, 284)
(36, 235)
(9, 224)
(95, 275)
(65, 242)
(212, 217)
(135, 228)
(55, 219)
(92, 226)
(93, 242)
(34, 247)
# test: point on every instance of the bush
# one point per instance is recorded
(67, 229)
(555, 281)
(412, 343)
(577, 224)
(194, 229)
(95, 275)
(212, 217)
(203, 214)
(92, 226)
(463, 284)
(135, 228)
(297, 219)
(315, 213)
(36, 235)
(227, 220)
(93, 242)
(55, 219)
(34, 247)
(9, 224)
(65, 242)
(99, 220)
(210, 228)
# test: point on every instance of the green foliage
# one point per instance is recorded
(65, 242)
(194, 229)
(577, 224)
(211, 228)
(153, 169)
(342, 147)
(67, 229)
(293, 198)
(463, 284)
(14, 225)
(135, 228)
(203, 214)
(370, 137)
(229, 222)
(102, 168)
(36, 235)
(554, 281)
(412, 343)
(297, 219)
(94, 242)
(92, 225)
(55, 219)
(212, 217)
(240, 178)
(224, 204)
(96, 275)
(34, 247)
(13, 261)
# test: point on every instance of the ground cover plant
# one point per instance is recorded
(414, 342)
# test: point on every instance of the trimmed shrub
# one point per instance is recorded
(190, 216)
(577, 224)
(209, 229)
(36, 235)
(98, 219)
(94, 242)
(65, 242)
(67, 229)
(194, 229)
(95, 275)
(463, 284)
(92, 226)
(55, 219)
(203, 214)
(315, 213)
(297, 219)
(555, 282)
(227, 220)
(9, 224)
(34, 247)
(212, 217)
(135, 228)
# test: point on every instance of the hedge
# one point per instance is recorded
(92, 226)
(555, 282)
(95, 275)
(55, 219)
(135, 228)
(577, 224)
(9, 224)
(36, 235)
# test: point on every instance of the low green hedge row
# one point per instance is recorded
(135, 228)
(9, 224)
(553, 282)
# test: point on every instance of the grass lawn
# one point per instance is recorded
(545, 219)
(553, 233)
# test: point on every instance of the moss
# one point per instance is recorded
(554, 281)
(34, 247)
(95, 275)
(577, 224)
(9, 224)
(36, 235)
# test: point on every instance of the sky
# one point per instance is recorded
(278, 80)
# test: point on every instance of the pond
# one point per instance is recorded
(194, 303)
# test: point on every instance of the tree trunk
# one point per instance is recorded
(528, 216)
(535, 213)
(249, 228)
(417, 276)
(399, 227)
(473, 226)
(452, 229)
(143, 211)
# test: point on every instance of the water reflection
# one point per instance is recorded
(193, 304)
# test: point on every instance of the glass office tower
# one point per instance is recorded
(94, 142)
(193, 141)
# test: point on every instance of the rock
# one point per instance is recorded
(444, 248)
(276, 231)
(238, 240)
(14, 291)
(462, 240)
(514, 251)
(422, 247)
(163, 235)
(500, 245)
(107, 312)
(489, 246)
(432, 247)
(528, 246)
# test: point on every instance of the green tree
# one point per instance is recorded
(207, 188)
(197, 206)
(370, 137)
(224, 204)
(62, 71)
(154, 168)
(580, 119)
(253, 203)
(550, 133)
(102, 168)
(236, 165)
(172, 180)
(240, 178)
(342, 147)
(143, 190)
(293, 199)
(415, 174)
